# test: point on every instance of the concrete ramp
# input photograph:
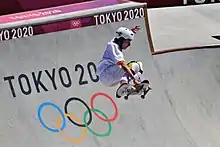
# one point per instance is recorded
(66, 58)
(192, 81)
(51, 96)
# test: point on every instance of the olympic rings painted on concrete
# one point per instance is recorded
(77, 99)
(56, 107)
(58, 123)
(74, 120)
(94, 133)
(114, 104)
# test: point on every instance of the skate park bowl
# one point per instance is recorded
(51, 95)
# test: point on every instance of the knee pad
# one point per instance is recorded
(136, 66)
(141, 70)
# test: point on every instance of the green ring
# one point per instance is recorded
(94, 133)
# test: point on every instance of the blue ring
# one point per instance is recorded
(41, 121)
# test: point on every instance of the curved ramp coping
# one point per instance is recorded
(61, 13)
(98, 12)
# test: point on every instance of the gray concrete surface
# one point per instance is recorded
(178, 112)
(192, 80)
(178, 27)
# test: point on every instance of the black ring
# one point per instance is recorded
(90, 113)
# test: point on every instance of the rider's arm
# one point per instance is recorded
(136, 28)
(124, 65)
(118, 58)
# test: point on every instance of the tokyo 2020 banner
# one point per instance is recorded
(16, 6)
(61, 120)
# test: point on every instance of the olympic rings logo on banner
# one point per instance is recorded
(74, 120)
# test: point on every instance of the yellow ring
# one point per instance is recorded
(58, 124)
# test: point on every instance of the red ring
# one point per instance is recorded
(114, 104)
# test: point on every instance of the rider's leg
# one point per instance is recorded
(111, 76)
(124, 85)
(126, 82)
(137, 69)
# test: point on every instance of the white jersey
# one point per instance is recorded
(112, 55)
(108, 69)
